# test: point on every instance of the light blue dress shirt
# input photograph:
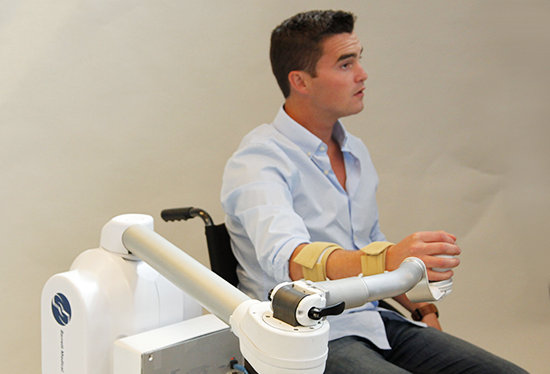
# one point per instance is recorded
(279, 191)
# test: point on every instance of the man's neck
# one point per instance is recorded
(322, 127)
(319, 125)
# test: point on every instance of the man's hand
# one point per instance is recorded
(426, 246)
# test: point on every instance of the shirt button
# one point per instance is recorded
(309, 154)
(322, 148)
(326, 172)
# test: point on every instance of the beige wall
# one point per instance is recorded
(134, 106)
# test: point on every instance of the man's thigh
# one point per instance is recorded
(353, 354)
(428, 350)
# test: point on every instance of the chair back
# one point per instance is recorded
(222, 260)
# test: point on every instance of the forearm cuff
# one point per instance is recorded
(313, 258)
(374, 260)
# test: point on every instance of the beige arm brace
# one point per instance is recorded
(313, 258)
(374, 260)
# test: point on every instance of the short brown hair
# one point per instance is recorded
(296, 44)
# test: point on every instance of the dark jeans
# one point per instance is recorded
(414, 350)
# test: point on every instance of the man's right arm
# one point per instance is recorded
(340, 264)
(426, 245)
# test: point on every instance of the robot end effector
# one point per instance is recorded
(305, 302)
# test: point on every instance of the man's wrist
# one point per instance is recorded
(419, 313)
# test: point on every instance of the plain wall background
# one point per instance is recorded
(112, 107)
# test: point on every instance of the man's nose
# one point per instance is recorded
(361, 74)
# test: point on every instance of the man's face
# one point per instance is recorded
(337, 89)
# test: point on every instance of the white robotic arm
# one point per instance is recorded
(288, 334)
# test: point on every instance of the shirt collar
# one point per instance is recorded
(303, 138)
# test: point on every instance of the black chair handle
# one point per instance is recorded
(178, 214)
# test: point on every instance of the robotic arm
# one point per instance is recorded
(288, 334)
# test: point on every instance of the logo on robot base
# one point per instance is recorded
(61, 309)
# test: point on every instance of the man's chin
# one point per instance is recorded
(355, 110)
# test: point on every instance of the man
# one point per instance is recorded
(298, 185)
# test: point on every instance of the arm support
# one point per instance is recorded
(305, 302)
(357, 291)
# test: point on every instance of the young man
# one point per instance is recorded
(303, 182)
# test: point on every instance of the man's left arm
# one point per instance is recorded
(430, 319)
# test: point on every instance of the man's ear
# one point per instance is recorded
(299, 81)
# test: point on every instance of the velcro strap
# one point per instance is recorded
(374, 261)
(313, 258)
